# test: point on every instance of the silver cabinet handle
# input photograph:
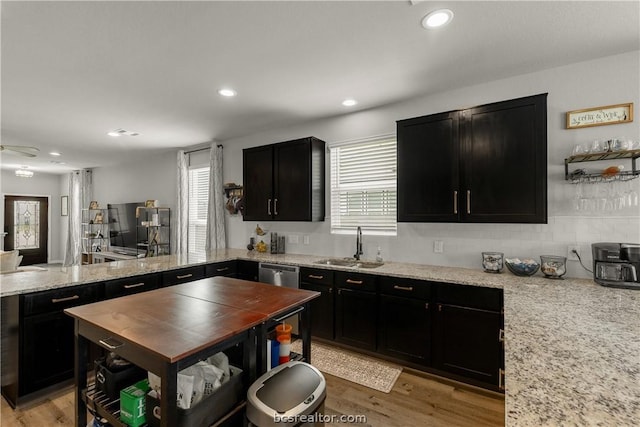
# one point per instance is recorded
(354, 282)
(275, 206)
(501, 335)
(455, 201)
(426, 306)
(403, 288)
(501, 379)
(311, 276)
(269, 206)
(184, 276)
(468, 201)
(71, 298)
(222, 269)
(137, 285)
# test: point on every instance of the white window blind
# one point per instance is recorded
(198, 204)
(363, 187)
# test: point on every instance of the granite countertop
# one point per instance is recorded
(572, 347)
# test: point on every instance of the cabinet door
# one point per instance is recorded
(428, 168)
(247, 270)
(504, 170)
(467, 342)
(292, 175)
(322, 311)
(257, 164)
(405, 329)
(356, 318)
(298, 179)
(47, 351)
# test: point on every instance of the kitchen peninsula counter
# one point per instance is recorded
(572, 347)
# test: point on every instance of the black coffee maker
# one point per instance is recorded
(616, 264)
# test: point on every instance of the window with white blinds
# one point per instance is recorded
(363, 187)
(198, 205)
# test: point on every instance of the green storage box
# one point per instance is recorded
(133, 404)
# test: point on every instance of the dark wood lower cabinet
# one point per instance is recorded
(356, 318)
(467, 342)
(322, 319)
(247, 270)
(404, 329)
(47, 349)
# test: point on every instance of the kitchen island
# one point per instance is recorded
(196, 320)
(572, 347)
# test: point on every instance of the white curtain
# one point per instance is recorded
(216, 232)
(181, 228)
(80, 195)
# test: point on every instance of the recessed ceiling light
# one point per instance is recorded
(55, 153)
(121, 132)
(437, 18)
(227, 92)
(349, 102)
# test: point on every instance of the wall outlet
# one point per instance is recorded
(571, 256)
(293, 238)
(305, 240)
(438, 246)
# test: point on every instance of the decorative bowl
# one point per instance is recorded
(522, 267)
(492, 262)
(552, 266)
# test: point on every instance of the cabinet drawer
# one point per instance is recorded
(470, 296)
(189, 274)
(410, 288)
(226, 268)
(316, 276)
(59, 299)
(363, 282)
(131, 285)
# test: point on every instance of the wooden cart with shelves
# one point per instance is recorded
(167, 340)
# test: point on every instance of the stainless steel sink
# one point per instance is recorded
(349, 262)
(342, 262)
(368, 264)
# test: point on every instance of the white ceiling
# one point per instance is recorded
(72, 71)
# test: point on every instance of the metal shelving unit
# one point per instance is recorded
(153, 231)
(95, 233)
(632, 155)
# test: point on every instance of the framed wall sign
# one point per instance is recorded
(599, 116)
(64, 205)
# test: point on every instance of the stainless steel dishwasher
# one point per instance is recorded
(286, 276)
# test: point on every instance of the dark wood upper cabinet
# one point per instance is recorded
(428, 151)
(285, 181)
(485, 164)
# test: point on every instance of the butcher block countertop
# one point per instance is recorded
(572, 347)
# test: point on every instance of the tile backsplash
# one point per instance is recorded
(462, 243)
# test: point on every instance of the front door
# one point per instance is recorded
(27, 227)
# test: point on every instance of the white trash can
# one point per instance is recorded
(291, 394)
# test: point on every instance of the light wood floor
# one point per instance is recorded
(416, 400)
